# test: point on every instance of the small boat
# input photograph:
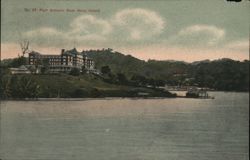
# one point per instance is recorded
(194, 92)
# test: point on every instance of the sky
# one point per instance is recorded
(183, 30)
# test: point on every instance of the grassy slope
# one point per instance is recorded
(67, 86)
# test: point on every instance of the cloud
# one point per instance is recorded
(45, 36)
(89, 26)
(239, 45)
(199, 35)
(47, 31)
(83, 28)
(125, 26)
(138, 23)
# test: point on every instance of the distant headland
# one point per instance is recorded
(108, 73)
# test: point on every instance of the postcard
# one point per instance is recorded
(124, 80)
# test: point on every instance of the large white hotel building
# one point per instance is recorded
(64, 62)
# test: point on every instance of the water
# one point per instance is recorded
(127, 129)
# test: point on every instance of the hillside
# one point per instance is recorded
(223, 74)
(130, 65)
(118, 62)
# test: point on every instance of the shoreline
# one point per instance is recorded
(100, 98)
(84, 99)
(108, 98)
(111, 98)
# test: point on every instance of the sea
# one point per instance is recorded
(127, 129)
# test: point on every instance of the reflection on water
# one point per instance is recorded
(127, 129)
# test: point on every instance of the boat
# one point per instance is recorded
(195, 92)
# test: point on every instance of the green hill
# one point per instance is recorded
(118, 62)
(223, 74)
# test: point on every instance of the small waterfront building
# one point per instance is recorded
(62, 63)
(20, 70)
(195, 92)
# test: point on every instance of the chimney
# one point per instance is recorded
(62, 51)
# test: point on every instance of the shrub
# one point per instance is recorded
(75, 72)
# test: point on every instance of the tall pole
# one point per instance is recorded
(74, 45)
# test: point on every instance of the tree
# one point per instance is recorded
(74, 72)
(24, 46)
(17, 62)
(139, 80)
(24, 87)
(109, 50)
(122, 78)
(159, 82)
(79, 93)
(151, 82)
(5, 87)
(84, 70)
(105, 70)
(95, 93)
